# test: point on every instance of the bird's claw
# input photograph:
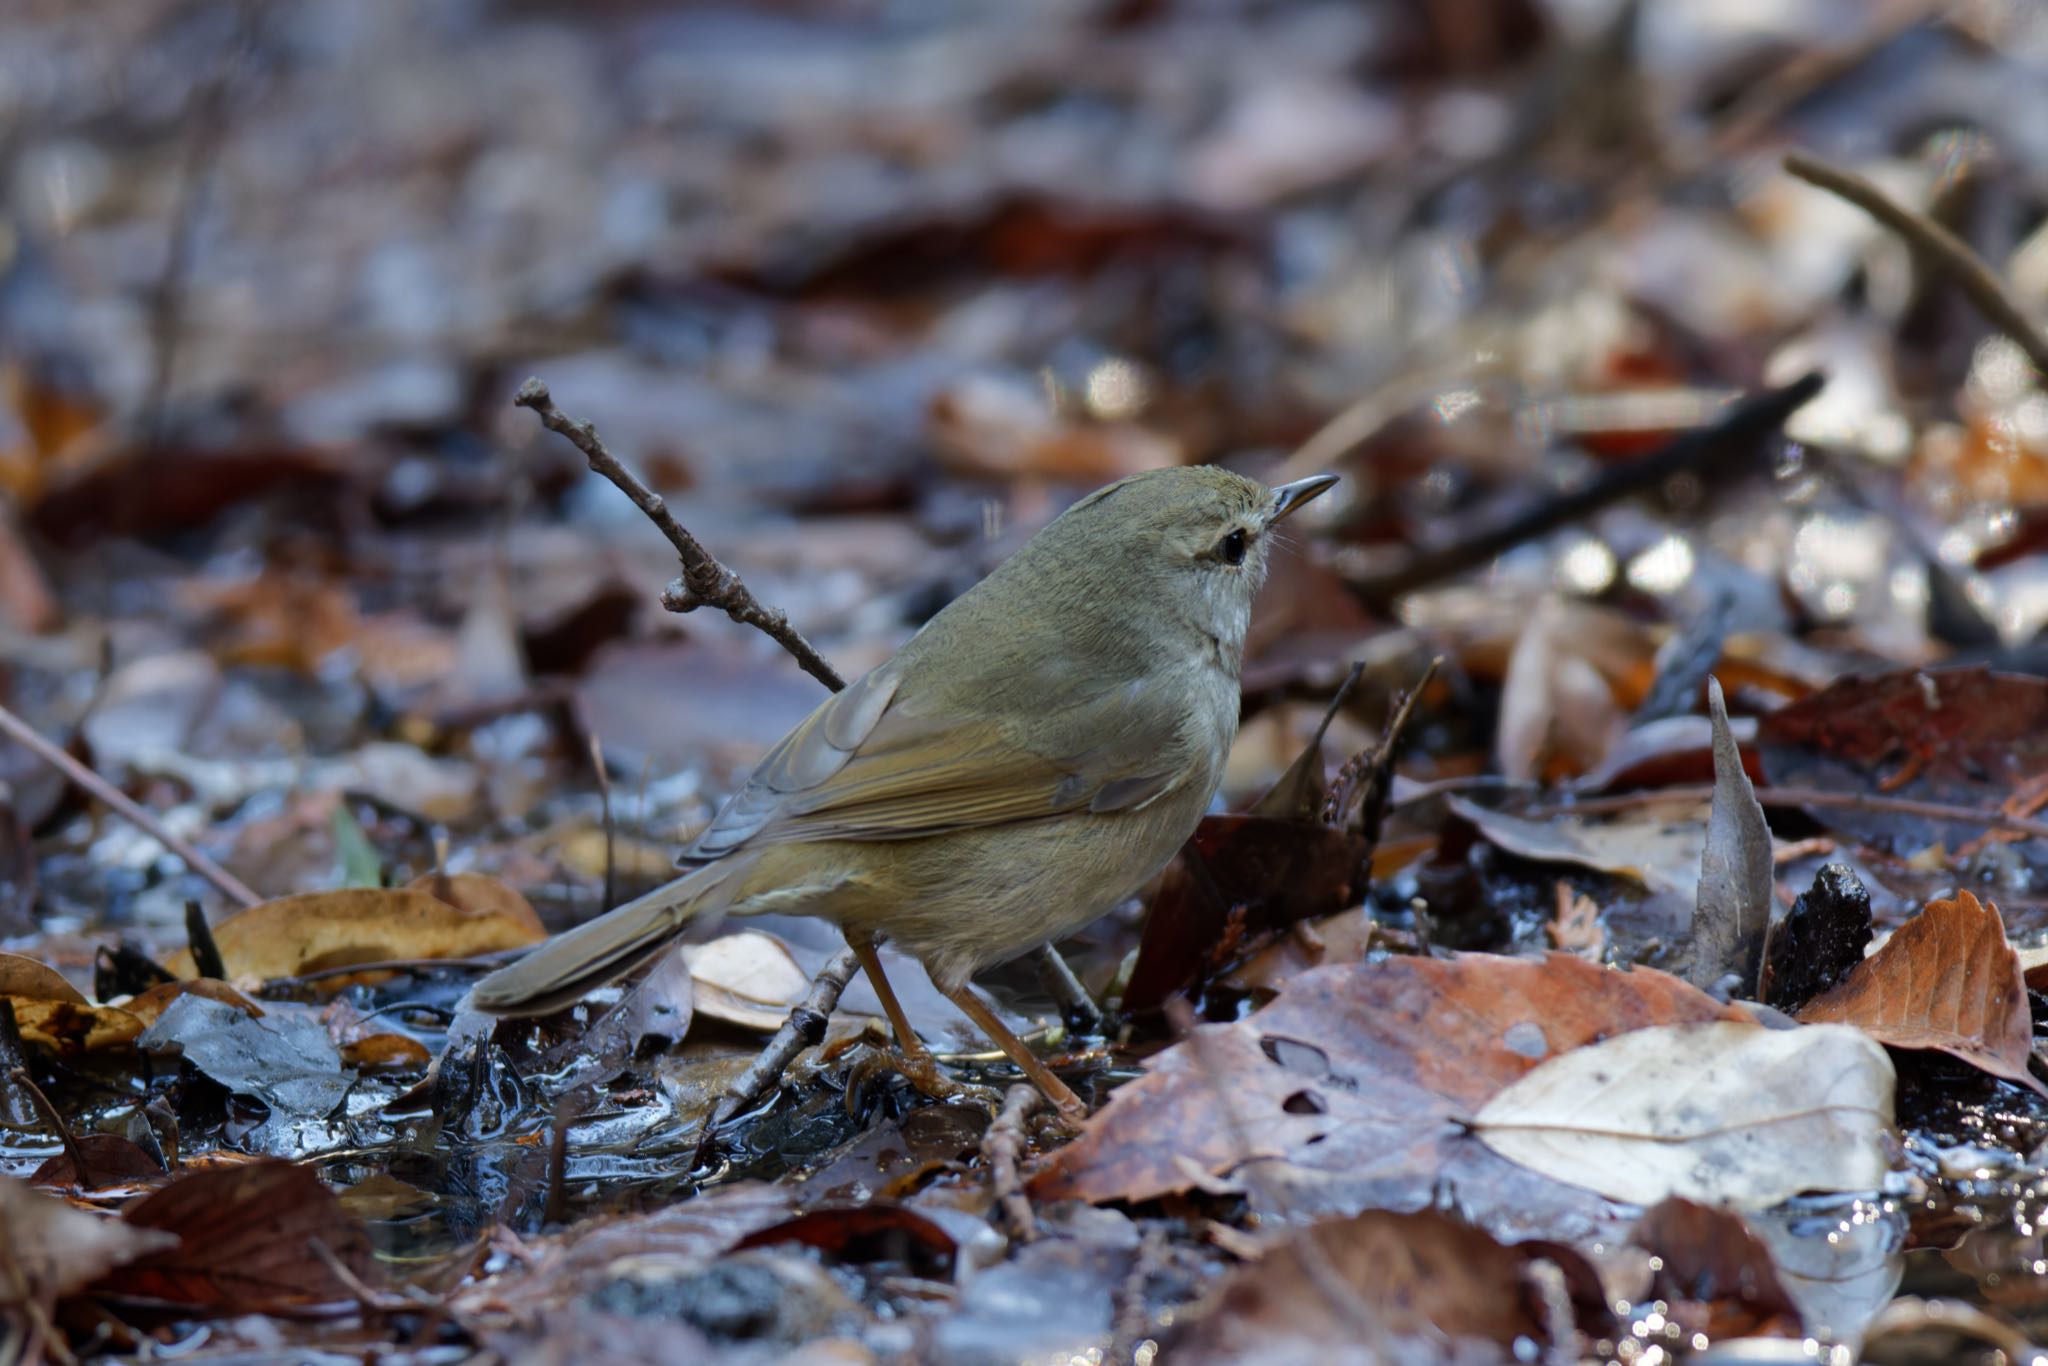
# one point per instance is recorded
(924, 1074)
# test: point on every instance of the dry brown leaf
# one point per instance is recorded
(147, 1005)
(299, 934)
(1947, 981)
(68, 1027)
(1357, 1071)
(245, 1237)
(1358, 1289)
(380, 1051)
(26, 979)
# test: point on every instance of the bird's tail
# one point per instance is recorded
(571, 965)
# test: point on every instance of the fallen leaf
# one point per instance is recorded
(1734, 906)
(148, 1006)
(1820, 941)
(1721, 1112)
(299, 934)
(246, 1242)
(25, 979)
(284, 1060)
(1663, 855)
(1357, 1072)
(1713, 1273)
(68, 1028)
(1558, 717)
(1381, 1287)
(55, 1248)
(386, 1052)
(1967, 737)
(1946, 980)
(746, 978)
(110, 1161)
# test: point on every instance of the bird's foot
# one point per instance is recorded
(922, 1071)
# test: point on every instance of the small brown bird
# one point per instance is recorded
(1026, 762)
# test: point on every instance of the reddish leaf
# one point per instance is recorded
(1947, 981)
(1964, 736)
(1240, 879)
(247, 1238)
(1354, 1074)
(1422, 1277)
(110, 1161)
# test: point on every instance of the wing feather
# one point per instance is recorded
(868, 766)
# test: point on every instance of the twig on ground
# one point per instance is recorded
(1942, 249)
(1735, 433)
(1002, 1147)
(1077, 1008)
(55, 1119)
(804, 1028)
(704, 582)
(1794, 796)
(230, 886)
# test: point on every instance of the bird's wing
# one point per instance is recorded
(866, 765)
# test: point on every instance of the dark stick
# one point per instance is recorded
(804, 1028)
(1739, 429)
(705, 582)
(1937, 245)
(1077, 1007)
(206, 959)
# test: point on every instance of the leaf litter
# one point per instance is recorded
(380, 647)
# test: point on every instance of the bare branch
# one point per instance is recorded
(704, 582)
(233, 887)
(804, 1028)
(1948, 252)
(1002, 1147)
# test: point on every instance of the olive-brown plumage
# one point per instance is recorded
(1021, 765)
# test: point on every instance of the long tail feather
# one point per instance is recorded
(572, 965)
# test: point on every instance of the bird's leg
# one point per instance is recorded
(1070, 1106)
(863, 945)
(911, 1059)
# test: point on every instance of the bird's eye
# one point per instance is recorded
(1232, 547)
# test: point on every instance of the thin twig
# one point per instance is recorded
(1942, 248)
(1076, 1006)
(705, 582)
(1002, 1147)
(55, 1119)
(1878, 802)
(230, 886)
(804, 1028)
(1735, 433)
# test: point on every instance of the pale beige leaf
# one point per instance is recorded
(1721, 1113)
(747, 978)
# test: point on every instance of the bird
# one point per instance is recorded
(1024, 763)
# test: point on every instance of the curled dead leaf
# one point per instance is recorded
(27, 979)
(1946, 980)
(314, 930)
(746, 978)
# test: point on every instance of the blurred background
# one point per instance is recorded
(869, 290)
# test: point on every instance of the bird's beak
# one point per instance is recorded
(1288, 497)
